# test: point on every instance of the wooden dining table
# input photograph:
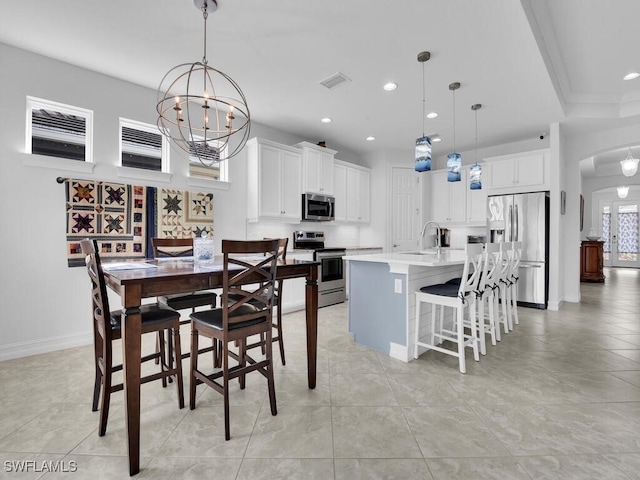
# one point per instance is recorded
(170, 276)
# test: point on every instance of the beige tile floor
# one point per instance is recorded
(558, 398)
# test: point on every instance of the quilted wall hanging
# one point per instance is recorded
(114, 214)
(183, 214)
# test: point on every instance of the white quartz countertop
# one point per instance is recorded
(425, 258)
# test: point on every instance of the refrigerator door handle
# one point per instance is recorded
(516, 237)
(530, 265)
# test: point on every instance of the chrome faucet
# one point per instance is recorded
(438, 234)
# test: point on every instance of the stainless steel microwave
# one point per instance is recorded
(317, 208)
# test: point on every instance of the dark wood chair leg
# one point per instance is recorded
(193, 366)
(242, 361)
(163, 358)
(269, 375)
(96, 389)
(280, 338)
(225, 389)
(106, 395)
(178, 356)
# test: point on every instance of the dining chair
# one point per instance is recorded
(277, 303)
(460, 295)
(249, 273)
(176, 248)
(107, 329)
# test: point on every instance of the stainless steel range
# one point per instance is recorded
(331, 275)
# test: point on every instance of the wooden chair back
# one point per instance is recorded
(171, 247)
(472, 270)
(99, 298)
(249, 276)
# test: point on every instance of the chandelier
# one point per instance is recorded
(629, 165)
(200, 108)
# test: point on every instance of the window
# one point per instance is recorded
(217, 171)
(143, 146)
(58, 130)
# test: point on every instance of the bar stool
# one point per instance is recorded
(458, 297)
(514, 255)
(487, 318)
(502, 284)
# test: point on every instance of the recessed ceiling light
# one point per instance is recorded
(389, 87)
(432, 115)
(631, 76)
(435, 138)
(326, 120)
(370, 139)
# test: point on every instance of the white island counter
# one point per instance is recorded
(382, 300)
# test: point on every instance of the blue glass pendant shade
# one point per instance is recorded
(454, 167)
(475, 177)
(423, 154)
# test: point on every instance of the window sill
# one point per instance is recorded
(142, 174)
(207, 183)
(55, 163)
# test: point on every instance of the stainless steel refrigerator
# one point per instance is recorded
(524, 217)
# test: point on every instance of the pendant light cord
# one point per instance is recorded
(454, 121)
(205, 15)
(476, 110)
(423, 99)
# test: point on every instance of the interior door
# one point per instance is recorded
(405, 218)
(623, 234)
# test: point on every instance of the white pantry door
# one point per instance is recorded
(405, 209)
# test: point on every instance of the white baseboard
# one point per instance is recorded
(399, 352)
(25, 349)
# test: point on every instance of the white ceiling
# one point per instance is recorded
(529, 63)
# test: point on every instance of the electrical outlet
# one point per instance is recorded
(398, 285)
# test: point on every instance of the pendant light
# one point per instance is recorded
(475, 174)
(629, 165)
(423, 144)
(454, 160)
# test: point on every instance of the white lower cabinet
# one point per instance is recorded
(293, 291)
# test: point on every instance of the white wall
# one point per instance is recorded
(44, 305)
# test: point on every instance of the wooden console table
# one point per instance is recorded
(591, 261)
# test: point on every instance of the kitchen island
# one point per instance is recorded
(382, 300)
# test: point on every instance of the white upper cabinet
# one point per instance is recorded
(340, 191)
(448, 199)
(352, 192)
(358, 195)
(274, 176)
(317, 168)
(518, 173)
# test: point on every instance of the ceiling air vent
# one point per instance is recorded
(335, 80)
